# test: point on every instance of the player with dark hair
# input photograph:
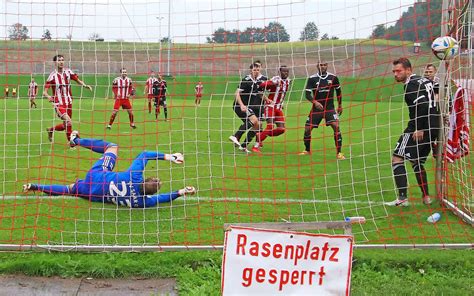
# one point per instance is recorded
(159, 93)
(32, 92)
(128, 188)
(414, 144)
(435, 114)
(60, 83)
(122, 87)
(149, 89)
(320, 92)
(248, 105)
(277, 87)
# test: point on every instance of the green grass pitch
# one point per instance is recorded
(277, 186)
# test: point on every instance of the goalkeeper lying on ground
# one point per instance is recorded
(126, 188)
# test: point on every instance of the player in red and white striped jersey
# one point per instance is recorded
(198, 90)
(278, 87)
(149, 89)
(60, 83)
(122, 87)
(32, 92)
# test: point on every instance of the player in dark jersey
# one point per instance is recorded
(414, 144)
(159, 93)
(435, 114)
(248, 105)
(320, 92)
(127, 188)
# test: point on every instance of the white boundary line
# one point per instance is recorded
(216, 199)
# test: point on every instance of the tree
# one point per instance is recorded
(310, 32)
(419, 23)
(325, 36)
(276, 32)
(334, 38)
(378, 32)
(46, 35)
(18, 32)
(219, 36)
(94, 36)
(165, 40)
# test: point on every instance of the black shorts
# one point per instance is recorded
(411, 150)
(161, 101)
(254, 110)
(315, 117)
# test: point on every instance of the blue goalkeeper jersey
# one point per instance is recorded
(101, 184)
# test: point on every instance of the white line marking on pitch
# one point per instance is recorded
(217, 199)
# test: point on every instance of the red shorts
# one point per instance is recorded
(275, 114)
(150, 96)
(124, 103)
(199, 96)
(63, 109)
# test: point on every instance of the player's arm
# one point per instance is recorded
(310, 89)
(115, 88)
(153, 200)
(338, 95)
(139, 163)
(36, 90)
(45, 91)
(238, 99)
(79, 81)
(147, 87)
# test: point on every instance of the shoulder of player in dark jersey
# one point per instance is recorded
(247, 78)
(262, 78)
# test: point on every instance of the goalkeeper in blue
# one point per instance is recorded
(127, 188)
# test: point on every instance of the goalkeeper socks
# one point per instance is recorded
(338, 141)
(53, 189)
(166, 112)
(421, 178)
(400, 176)
(95, 145)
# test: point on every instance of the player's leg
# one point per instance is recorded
(332, 120)
(117, 105)
(49, 189)
(68, 121)
(247, 124)
(149, 104)
(399, 170)
(60, 112)
(255, 120)
(165, 107)
(313, 121)
(128, 106)
(157, 107)
(423, 149)
(96, 145)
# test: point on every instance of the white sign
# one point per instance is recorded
(274, 262)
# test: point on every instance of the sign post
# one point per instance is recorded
(280, 262)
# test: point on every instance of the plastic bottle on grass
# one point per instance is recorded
(353, 220)
(433, 218)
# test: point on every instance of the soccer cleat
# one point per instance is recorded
(427, 200)
(74, 136)
(29, 187)
(234, 140)
(188, 190)
(256, 149)
(304, 152)
(133, 126)
(50, 134)
(340, 156)
(398, 203)
(244, 149)
(109, 126)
